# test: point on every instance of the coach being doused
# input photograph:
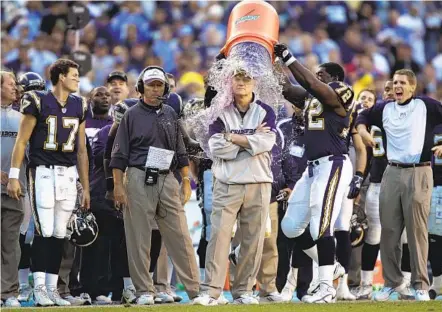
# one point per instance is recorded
(147, 149)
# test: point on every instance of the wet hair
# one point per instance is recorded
(334, 70)
(61, 66)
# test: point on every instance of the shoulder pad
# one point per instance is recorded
(30, 97)
(344, 92)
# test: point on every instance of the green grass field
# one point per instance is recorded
(402, 306)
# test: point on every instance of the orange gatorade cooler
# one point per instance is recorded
(252, 21)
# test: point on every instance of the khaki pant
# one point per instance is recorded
(405, 201)
(163, 202)
(12, 217)
(162, 271)
(269, 263)
(249, 202)
(66, 266)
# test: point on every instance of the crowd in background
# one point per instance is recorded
(371, 39)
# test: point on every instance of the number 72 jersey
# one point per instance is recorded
(54, 138)
(326, 132)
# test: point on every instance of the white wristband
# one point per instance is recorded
(14, 173)
(290, 61)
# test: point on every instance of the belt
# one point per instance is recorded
(326, 159)
(142, 168)
(51, 166)
(402, 166)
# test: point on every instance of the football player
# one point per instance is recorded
(366, 99)
(53, 124)
(435, 220)
(29, 81)
(317, 197)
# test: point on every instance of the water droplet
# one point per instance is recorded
(254, 59)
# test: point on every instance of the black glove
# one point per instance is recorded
(355, 185)
(282, 51)
(209, 95)
(220, 56)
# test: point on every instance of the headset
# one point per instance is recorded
(140, 83)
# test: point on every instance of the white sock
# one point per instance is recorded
(437, 281)
(51, 280)
(407, 277)
(312, 253)
(169, 270)
(367, 277)
(39, 278)
(23, 277)
(151, 275)
(343, 280)
(292, 278)
(326, 274)
(237, 253)
(202, 274)
(127, 281)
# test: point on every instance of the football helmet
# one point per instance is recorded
(82, 229)
(31, 81)
(358, 227)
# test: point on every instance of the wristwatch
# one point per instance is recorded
(228, 137)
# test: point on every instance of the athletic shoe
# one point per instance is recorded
(12, 302)
(323, 294)
(246, 299)
(41, 297)
(128, 295)
(204, 300)
(56, 299)
(24, 293)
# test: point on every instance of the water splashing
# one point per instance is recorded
(254, 59)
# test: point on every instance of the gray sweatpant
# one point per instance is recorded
(405, 201)
(12, 217)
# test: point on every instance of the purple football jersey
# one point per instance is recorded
(379, 161)
(326, 132)
(437, 161)
(54, 138)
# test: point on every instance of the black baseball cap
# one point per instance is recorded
(117, 75)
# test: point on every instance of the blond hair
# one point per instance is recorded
(409, 73)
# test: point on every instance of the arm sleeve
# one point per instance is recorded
(218, 145)
(99, 144)
(371, 116)
(263, 142)
(120, 149)
(181, 153)
(434, 109)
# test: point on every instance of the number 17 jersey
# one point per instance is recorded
(54, 138)
(325, 131)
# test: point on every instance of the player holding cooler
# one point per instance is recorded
(53, 123)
